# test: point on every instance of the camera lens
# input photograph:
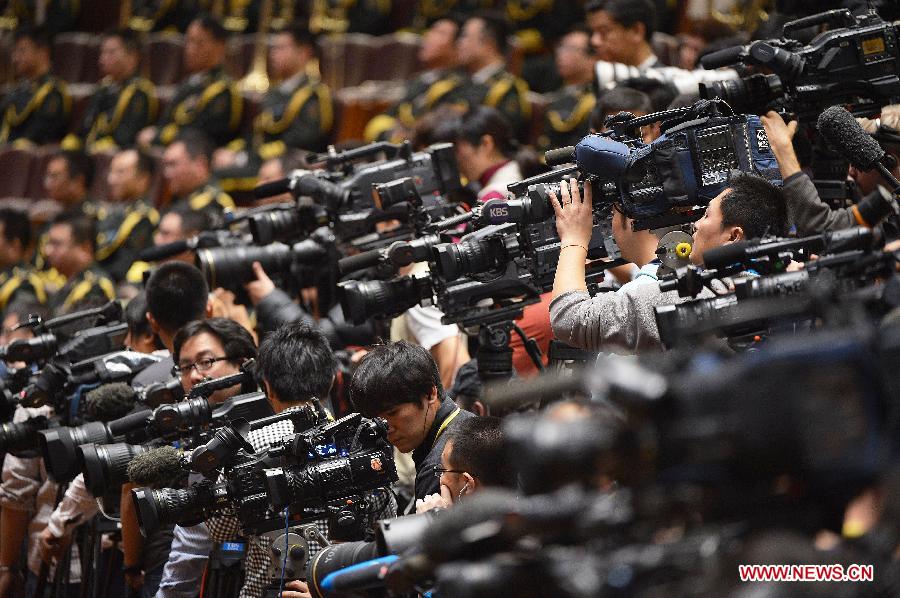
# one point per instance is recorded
(58, 448)
(21, 437)
(231, 267)
(336, 557)
(181, 415)
(751, 94)
(277, 225)
(161, 507)
(362, 300)
(105, 466)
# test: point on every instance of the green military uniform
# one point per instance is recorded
(424, 93)
(53, 279)
(207, 101)
(498, 88)
(115, 115)
(209, 199)
(89, 288)
(162, 15)
(351, 16)
(568, 117)
(297, 114)
(429, 11)
(124, 232)
(35, 112)
(59, 15)
(21, 283)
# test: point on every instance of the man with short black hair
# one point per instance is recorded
(125, 102)
(71, 245)
(176, 294)
(187, 169)
(36, 111)
(622, 30)
(400, 383)
(207, 100)
(18, 282)
(625, 320)
(482, 47)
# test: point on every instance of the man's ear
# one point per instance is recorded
(736, 234)
(471, 481)
(639, 30)
(209, 308)
(433, 397)
(268, 388)
(154, 326)
(488, 143)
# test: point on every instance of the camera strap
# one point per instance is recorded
(444, 425)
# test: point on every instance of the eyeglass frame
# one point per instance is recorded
(439, 471)
(179, 371)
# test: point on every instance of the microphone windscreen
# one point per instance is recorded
(563, 155)
(724, 57)
(110, 401)
(163, 467)
(845, 136)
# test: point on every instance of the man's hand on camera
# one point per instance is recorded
(781, 137)
(50, 546)
(574, 219)
(435, 501)
(296, 589)
(260, 288)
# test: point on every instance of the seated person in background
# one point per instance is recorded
(567, 118)
(71, 246)
(208, 99)
(624, 99)
(441, 84)
(482, 47)
(806, 211)
(130, 216)
(187, 171)
(175, 225)
(296, 113)
(622, 30)
(748, 208)
(17, 280)
(36, 111)
(472, 459)
(125, 102)
(400, 383)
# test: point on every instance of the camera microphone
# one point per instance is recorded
(161, 252)
(724, 57)
(845, 136)
(110, 401)
(159, 468)
(563, 155)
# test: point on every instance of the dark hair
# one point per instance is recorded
(619, 99)
(83, 227)
(300, 33)
(196, 143)
(39, 35)
(297, 362)
(191, 221)
(25, 306)
(393, 374)
(477, 122)
(128, 37)
(583, 29)
(146, 164)
(627, 13)
(237, 342)
(16, 226)
(78, 164)
(496, 28)
(176, 294)
(660, 93)
(756, 205)
(478, 449)
(136, 315)
(212, 26)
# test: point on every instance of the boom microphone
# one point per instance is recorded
(161, 252)
(845, 136)
(160, 468)
(563, 155)
(110, 401)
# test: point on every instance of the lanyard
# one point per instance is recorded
(444, 425)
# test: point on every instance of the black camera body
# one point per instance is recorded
(855, 64)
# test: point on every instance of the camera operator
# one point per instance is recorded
(471, 460)
(400, 383)
(622, 30)
(748, 208)
(806, 210)
(202, 350)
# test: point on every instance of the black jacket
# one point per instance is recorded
(278, 309)
(428, 454)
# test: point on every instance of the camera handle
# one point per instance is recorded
(494, 355)
(290, 554)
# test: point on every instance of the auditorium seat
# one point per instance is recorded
(397, 57)
(15, 164)
(100, 189)
(355, 106)
(40, 158)
(162, 58)
(331, 60)
(360, 54)
(99, 15)
(69, 53)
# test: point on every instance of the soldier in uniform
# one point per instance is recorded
(351, 16)
(298, 113)
(186, 168)
(537, 25)
(208, 99)
(482, 47)
(568, 115)
(441, 84)
(71, 243)
(18, 282)
(131, 217)
(55, 15)
(124, 105)
(430, 11)
(37, 110)
(162, 15)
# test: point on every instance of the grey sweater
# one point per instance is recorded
(810, 214)
(623, 321)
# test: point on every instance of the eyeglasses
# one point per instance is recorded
(438, 471)
(201, 366)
